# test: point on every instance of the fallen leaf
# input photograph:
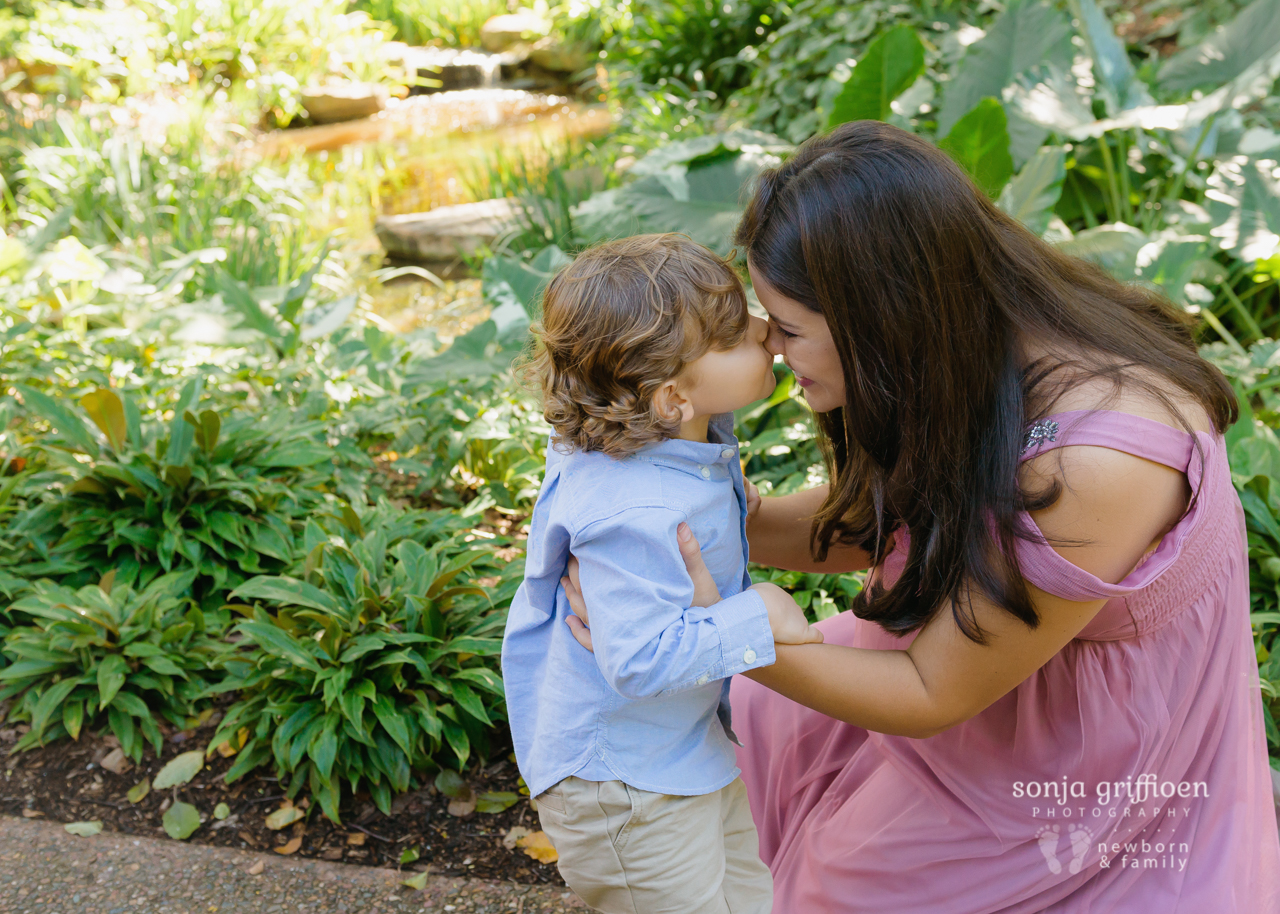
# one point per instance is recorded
(249, 838)
(417, 883)
(496, 802)
(84, 829)
(515, 834)
(181, 820)
(538, 846)
(285, 815)
(138, 792)
(31, 814)
(356, 839)
(221, 811)
(179, 770)
(409, 855)
(451, 784)
(291, 847)
(463, 809)
(115, 762)
(256, 869)
(332, 853)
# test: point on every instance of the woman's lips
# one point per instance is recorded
(802, 381)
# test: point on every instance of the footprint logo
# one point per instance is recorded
(1047, 838)
(1079, 837)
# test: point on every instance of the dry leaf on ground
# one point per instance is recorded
(463, 808)
(538, 846)
(115, 762)
(31, 814)
(356, 839)
(291, 847)
(256, 869)
(285, 815)
(515, 834)
(138, 792)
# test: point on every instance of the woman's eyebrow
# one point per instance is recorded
(785, 325)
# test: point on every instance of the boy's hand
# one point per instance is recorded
(786, 618)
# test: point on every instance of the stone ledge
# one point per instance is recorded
(447, 232)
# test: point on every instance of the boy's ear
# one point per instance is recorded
(670, 402)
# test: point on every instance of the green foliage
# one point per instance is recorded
(888, 67)
(218, 498)
(979, 142)
(106, 653)
(449, 23)
(375, 660)
(696, 43)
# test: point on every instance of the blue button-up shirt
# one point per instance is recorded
(650, 706)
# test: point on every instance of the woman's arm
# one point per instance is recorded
(1117, 505)
(778, 533)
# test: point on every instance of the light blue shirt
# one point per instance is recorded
(650, 706)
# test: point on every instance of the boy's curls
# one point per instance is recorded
(620, 320)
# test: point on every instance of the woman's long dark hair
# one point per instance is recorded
(927, 289)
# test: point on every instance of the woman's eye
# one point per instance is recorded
(785, 333)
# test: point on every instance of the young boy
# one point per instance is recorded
(646, 348)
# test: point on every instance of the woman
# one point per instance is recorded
(1046, 698)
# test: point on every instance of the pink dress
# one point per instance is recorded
(1128, 774)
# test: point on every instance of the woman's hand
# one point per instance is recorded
(753, 500)
(786, 618)
(705, 591)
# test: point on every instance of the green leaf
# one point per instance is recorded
(110, 676)
(50, 702)
(1114, 247)
(452, 784)
(392, 722)
(73, 717)
(179, 770)
(1252, 38)
(68, 426)
(287, 591)
(1031, 196)
(84, 829)
(409, 855)
(1028, 33)
(1112, 69)
(282, 817)
(494, 803)
(181, 434)
(979, 142)
(138, 792)
(417, 883)
(887, 68)
(297, 453)
(324, 747)
(221, 811)
(277, 641)
(1244, 204)
(181, 821)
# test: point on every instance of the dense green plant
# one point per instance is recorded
(375, 661)
(449, 23)
(220, 498)
(697, 43)
(106, 651)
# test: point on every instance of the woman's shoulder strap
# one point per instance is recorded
(1136, 435)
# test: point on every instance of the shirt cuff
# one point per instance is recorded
(746, 640)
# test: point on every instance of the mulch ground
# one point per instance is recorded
(67, 782)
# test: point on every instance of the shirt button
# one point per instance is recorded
(706, 473)
(727, 452)
(749, 656)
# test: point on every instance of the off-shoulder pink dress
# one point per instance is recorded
(1129, 774)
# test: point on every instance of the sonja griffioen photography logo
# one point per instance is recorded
(1158, 806)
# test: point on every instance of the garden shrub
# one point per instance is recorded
(375, 659)
(107, 653)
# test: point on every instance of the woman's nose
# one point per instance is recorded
(773, 341)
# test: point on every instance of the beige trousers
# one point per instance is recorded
(629, 851)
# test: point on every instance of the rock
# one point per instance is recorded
(447, 232)
(501, 32)
(346, 101)
(450, 69)
(552, 54)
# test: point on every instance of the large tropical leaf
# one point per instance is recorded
(1112, 70)
(979, 141)
(1251, 38)
(887, 68)
(1243, 200)
(1114, 247)
(1031, 196)
(1027, 34)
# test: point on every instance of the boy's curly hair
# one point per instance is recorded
(620, 320)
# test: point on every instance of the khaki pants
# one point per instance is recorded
(629, 851)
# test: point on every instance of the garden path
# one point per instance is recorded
(45, 870)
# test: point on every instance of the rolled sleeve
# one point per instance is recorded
(746, 640)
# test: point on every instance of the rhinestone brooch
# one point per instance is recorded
(1044, 430)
